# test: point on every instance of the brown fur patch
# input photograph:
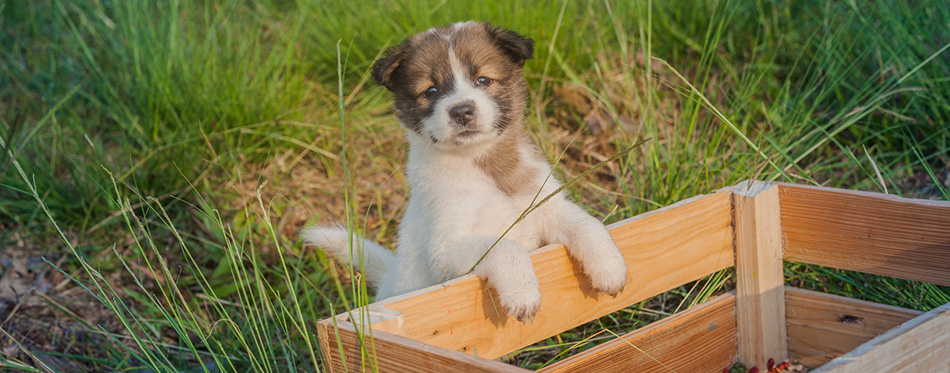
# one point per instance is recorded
(479, 50)
(504, 163)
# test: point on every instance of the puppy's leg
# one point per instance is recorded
(588, 241)
(507, 269)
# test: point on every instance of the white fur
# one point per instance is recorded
(456, 212)
(374, 260)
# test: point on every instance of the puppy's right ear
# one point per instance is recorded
(384, 67)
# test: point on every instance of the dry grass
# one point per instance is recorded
(43, 310)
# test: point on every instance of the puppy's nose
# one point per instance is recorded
(462, 113)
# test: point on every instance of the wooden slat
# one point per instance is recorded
(663, 249)
(760, 298)
(700, 339)
(919, 345)
(867, 232)
(822, 327)
(392, 353)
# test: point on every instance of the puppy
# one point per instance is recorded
(459, 92)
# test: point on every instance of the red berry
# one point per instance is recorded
(782, 366)
(754, 370)
(770, 364)
(725, 370)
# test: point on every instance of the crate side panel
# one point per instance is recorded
(822, 327)
(867, 232)
(919, 345)
(702, 338)
(663, 250)
(392, 353)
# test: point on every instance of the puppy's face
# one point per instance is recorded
(457, 85)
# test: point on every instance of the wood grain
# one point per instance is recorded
(392, 353)
(760, 298)
(700, 339)
(867, 232)
(663, 249)
(919, 345)
(822, 327)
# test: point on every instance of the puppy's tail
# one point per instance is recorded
(376, 260)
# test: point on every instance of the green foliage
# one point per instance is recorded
(127, 117)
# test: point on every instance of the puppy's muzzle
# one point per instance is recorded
(463, 114)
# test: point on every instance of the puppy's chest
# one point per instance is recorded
(467, 199)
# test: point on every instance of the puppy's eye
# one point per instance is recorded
(431, 91)
(482, 81)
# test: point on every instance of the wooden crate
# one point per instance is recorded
(456, 327)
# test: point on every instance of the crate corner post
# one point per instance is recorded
(760, 291)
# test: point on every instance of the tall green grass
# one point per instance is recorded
(260, 320)
(129, 120)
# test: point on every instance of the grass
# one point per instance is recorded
(162, 155)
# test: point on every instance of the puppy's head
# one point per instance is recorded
(457, 85)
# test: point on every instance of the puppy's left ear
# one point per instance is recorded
(518, 47)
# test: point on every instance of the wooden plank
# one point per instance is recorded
(822, 327)
(700, 339)
(760, 298)
(392, 353)
(919, 345)
(663, 249)
(867, 232)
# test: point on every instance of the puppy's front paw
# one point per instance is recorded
(608, 273)
(522, 305)
(518, 293)
(509, 272)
